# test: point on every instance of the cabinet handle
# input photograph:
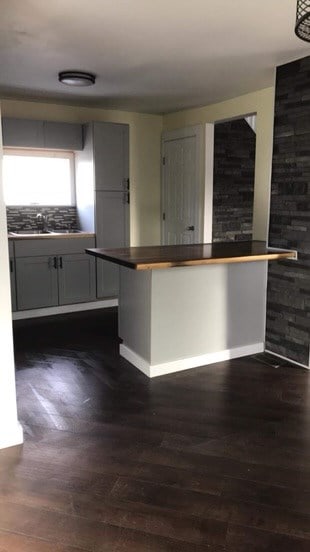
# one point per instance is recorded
(60, 262)
(11, 266)
(126, 184)
(55, 262)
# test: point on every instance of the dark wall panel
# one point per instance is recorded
(233, 185)
(288, 302)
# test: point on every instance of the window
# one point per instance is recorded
(33, 177)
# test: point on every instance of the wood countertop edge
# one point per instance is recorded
(272, 256)
(222, 260)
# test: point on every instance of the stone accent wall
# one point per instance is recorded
(24, 217)
(288, 302)
(233, 187)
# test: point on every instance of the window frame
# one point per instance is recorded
(64, 154)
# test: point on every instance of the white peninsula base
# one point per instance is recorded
(183, 317)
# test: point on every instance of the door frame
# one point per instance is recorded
(187, 132)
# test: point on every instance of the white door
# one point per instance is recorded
(181, 187)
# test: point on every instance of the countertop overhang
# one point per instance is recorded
(170, 256)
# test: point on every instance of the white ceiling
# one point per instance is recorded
(153, 56)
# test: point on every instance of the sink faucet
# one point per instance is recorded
(41, 221)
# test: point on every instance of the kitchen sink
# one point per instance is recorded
(39, 232)
(66, 231)
(29, 232)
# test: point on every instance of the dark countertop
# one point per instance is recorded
(169, 256)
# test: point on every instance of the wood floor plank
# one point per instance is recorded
(270, 495)
(243, 539)
(212, 459)
(10, 542)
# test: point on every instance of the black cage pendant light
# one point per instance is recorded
(302, 27)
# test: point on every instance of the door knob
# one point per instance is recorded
(192, 228)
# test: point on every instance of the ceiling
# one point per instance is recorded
(149, 56)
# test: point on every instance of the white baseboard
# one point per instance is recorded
(186, 363)
(135, 359)
(64, 309)
(289, 359)
(10, 436)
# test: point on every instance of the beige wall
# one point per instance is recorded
(145, 135)
(261, 103)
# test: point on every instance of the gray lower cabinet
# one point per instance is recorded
(51, 281)
(36, 282)
(13, 284)
(12, 275)
(111, 231)
(76, 279)
(54, 272)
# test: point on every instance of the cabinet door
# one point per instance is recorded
(76, 278)
(112, 215)
(22, 133)
(111, 156)
(13, 283)
(36, 282)
(66, 136)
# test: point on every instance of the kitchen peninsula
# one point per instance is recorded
(189, 305)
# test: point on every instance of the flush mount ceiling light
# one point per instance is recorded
(76, 78)
(302, 27)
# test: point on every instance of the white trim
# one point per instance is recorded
(251, 120)
(187, 363)
(208, 186)
(135, 359)
(10, 436)
(64, 309)
(288, 359)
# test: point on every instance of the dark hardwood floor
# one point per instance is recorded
(214, 459)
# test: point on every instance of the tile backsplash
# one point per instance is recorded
(23, 217)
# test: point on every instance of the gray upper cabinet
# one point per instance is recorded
(111, 163)
(102, 178)
(22, 133)
(111, 156)
(25, 133)
(66, 136)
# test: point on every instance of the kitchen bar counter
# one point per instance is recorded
(206, 304)
(155, 257)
